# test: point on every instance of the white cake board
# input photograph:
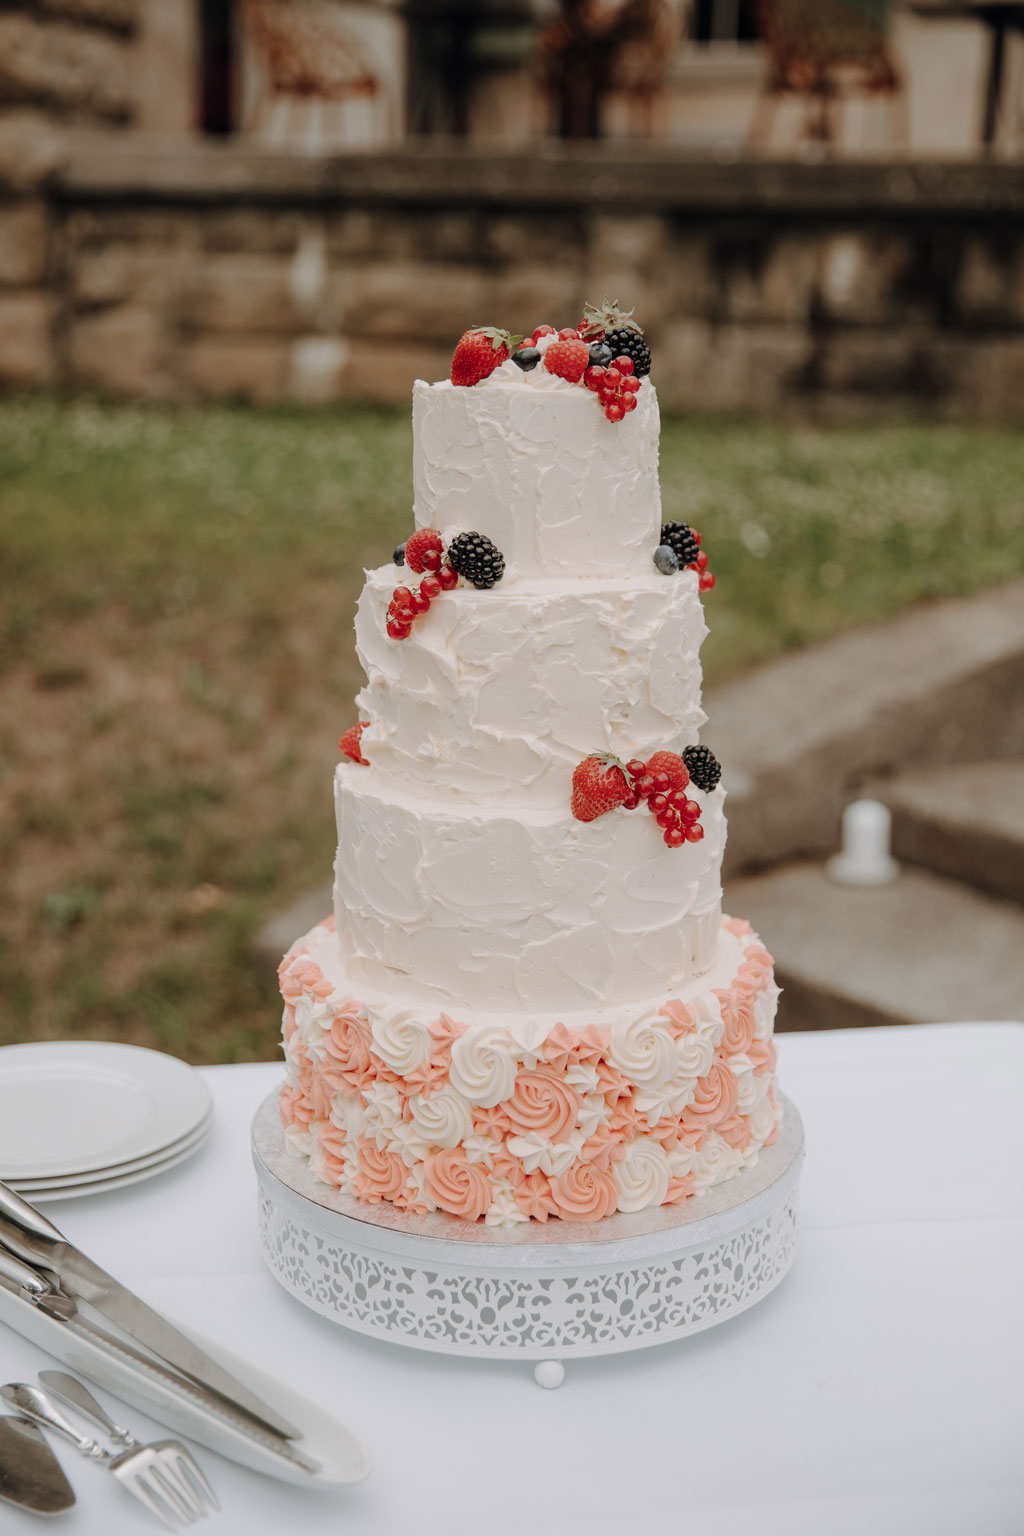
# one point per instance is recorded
(543, 1292)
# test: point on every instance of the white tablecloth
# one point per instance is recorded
(878, 1392)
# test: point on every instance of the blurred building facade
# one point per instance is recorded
(310, 199)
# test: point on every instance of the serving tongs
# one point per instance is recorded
(43, 1268)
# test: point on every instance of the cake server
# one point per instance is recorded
(69, 1277)
(31, 1477)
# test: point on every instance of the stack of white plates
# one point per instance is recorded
(81, 1118)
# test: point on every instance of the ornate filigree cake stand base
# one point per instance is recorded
(543, 1292)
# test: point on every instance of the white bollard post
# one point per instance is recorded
(864, 858)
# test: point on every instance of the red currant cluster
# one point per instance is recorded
(616, 386)
(423, 552)
(700, 565)
(662, 782)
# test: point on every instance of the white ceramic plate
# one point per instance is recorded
(102, 1186)
(71, 1107)
(30, 1187)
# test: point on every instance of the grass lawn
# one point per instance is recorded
(176, 660)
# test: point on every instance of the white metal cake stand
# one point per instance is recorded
(543, 1292)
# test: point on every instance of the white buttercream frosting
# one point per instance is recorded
(518, 906)
(499, 694)
(533, 463)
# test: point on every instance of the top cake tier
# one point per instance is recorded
(532, 462)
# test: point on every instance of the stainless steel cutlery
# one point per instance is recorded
(163, 1476)
(38, 1262)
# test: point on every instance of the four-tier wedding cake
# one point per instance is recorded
(527, 1002)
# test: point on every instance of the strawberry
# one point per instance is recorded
(479, 352)
(349, 744)
(568, 359)
(599, 784)
(673, 767)
(423, 550)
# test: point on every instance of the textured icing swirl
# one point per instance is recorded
(559, 488)
(499, 694)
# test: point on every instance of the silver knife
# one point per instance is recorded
(38, 1243)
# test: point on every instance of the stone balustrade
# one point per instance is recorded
(184, 271)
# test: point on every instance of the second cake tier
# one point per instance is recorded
(499, 694)
(519, 906)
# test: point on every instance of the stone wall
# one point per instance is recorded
(832, 290)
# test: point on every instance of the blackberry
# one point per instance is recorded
(475, 557)
(627, 341)
(704, 768)
(679, 537)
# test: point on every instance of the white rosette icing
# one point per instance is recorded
(348, 1114)
(551, 1157)
(642, 1175)
(299, 1141)
(582, 1075)
(443, 1118)
(762, 1118)
(750, 1089)
(716, 1160)
(682, 1160)
(313, 1016)
(401, 1041)
(695, 1052)
(765, 1004)
(644, 1050)
(291, 1065)
(503, 1210)
(710, 1025)
(383, 1110)
(480, 1149)
(483, 1065)
(593, 1111)
(405, 1140)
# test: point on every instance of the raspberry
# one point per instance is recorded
(568, 359)
(670, 766)
(425, 541)
(349, 745)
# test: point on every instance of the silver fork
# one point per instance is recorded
(146, 1471)
(179, 1465)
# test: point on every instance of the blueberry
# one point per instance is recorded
(399, 555)
(600, 355)
(666, 559)
(526, 358)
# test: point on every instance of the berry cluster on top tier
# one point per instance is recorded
(471, 555)
(602, 783)
(679, 549)
(606, 351)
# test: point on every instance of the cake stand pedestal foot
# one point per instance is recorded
(549, 1374)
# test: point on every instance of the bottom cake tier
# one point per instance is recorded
(511, 1118)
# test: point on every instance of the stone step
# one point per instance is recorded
(921, 950)
(801, 736)
(965, 821)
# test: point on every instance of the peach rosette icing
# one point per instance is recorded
(506, 1124)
